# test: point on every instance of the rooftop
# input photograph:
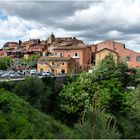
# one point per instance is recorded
(73, 47)
(107, 49)
(46, 58)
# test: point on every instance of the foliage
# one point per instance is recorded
(106, 69)
(97, 125)
(36, 93)
(133, 113)
(18, 120)
(77, 95)
(21, 64)
(122, 72)
(32, 57)
(138, 74)
(133, 81)
(110, 95)
(118, 110)
(108, 82)
(4, 62)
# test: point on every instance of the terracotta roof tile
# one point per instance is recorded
(45, 58)
(70, 47)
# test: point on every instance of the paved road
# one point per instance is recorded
(11, 79)
(22, 78)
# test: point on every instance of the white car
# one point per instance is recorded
(14, 75)
(5, 75)
(33, 71)
(46, 74)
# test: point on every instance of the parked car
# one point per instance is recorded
(5, 75)
(1, 72)
(14, 75)
(33, 72)
(20, 72)
(46, 74)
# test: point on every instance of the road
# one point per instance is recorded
(23, 78)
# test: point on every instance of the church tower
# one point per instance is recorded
(51, 38)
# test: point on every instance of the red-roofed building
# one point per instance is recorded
(1, 52)
(132, 58)
(81, 53)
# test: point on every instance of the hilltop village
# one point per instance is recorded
(64, 55)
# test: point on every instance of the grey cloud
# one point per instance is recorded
(57, 14)
(46, 11)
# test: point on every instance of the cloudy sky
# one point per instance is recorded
(93, 21)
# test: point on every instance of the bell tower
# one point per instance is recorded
(51, 38)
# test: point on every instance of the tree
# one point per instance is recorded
(97, 124)
(75, 96)
(4, 62)
(111, 95)
(21, 64)
(33, 57)
(18, 120)
(36, 93)
(106, 69)
(127, 76)
(122, 72)
(132, 114)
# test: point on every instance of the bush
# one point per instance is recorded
(18, 120)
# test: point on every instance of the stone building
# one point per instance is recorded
(101, 54)
(81, 53)
(57, 65)
(132, 58)
(10, 45)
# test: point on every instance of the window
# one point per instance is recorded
(128, 58)
(62, 71)
(76, 54)
(59, 54)
(62, 62)
(138, 58)
(68, 55)
(53, 63)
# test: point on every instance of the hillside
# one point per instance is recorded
(19, 120)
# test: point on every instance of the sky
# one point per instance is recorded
(92, 21)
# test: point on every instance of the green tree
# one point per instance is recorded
(106, 69)
(33, 57)
(76, 96)
(97, 125)
(122, 72)
(110, 95)
(4, 63)
(132, 114)
(18, 120)
(36, 93)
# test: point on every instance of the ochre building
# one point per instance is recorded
(57, 65)
(100, 55)
(132, 58)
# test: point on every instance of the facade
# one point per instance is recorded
(100, 55)
(58, 40)
(66, 47)
(10, 45)
(27, 55)
(1, 52)
(132, 58)
(57, 65)
(81, 54)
